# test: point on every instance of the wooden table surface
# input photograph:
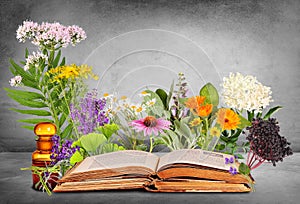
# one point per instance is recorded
(279, 184)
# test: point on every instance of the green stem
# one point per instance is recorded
(151, 145)
(52, 109)
(49, 100)
(206, 134)
(68, 107)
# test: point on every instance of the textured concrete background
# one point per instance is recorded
(260, 38)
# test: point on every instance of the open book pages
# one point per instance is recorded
(197, 157)
(120, 159)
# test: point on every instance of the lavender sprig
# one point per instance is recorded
(62, 151)
(90, 113)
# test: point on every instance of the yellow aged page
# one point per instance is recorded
(118, 160)
(197, 157)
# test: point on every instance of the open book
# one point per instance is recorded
(178, 171)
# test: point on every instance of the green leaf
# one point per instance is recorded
(77, 143)
(56, 60)
(26, 53)
(51, 57)
(32, 112)
(184, 129)
(259, 115)
(62, 119)
(25, 75)
(35, 120)
(170, 93)
(75, 158)
(63, 62)
(250, 115)
(158, 108)
(223, 138)
(25, 94)
(220, 147)
(163, 97)
(92, 141)
(210, 93)
(31, 128)
(244, 169)
(237, 133)
(30, 83)
(154, 95)
(111, 147)
(25, 102)
(67, 131)
(239, 156)
(108, 129)
(271, 111)
(243, 122)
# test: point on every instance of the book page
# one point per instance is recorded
(197, 157)
(118, 159)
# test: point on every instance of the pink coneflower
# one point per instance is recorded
(150, 125)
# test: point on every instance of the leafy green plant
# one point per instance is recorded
(93, 144)
(44, 96)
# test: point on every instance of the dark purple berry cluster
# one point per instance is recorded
(266, 142)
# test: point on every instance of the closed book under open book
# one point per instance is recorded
(186, 170)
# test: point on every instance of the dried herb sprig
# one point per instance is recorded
(178, 109)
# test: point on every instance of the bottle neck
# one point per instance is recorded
(44, 143)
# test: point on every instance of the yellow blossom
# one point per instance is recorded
(214, 131)
(70, 72)
(195, 122)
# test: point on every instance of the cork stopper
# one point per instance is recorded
(45, 129)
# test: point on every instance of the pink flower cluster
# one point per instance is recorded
(50, 34)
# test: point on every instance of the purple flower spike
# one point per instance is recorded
(89, 114)
(63, 151)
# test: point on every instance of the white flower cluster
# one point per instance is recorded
(34, 60)
(50, 34)
(245, 93)
(15, 81)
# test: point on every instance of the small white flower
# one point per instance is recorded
(139, 109)
(15, 81)
(107, 96)
(151, 102)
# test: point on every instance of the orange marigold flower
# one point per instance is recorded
(194, 102)
(228, 119)
(205, 110)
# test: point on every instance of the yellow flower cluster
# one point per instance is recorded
(71, 72)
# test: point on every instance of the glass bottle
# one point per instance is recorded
(41, 156)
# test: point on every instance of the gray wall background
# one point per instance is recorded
(260, 38)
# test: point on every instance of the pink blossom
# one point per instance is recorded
(50, 34)
(150, 125)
